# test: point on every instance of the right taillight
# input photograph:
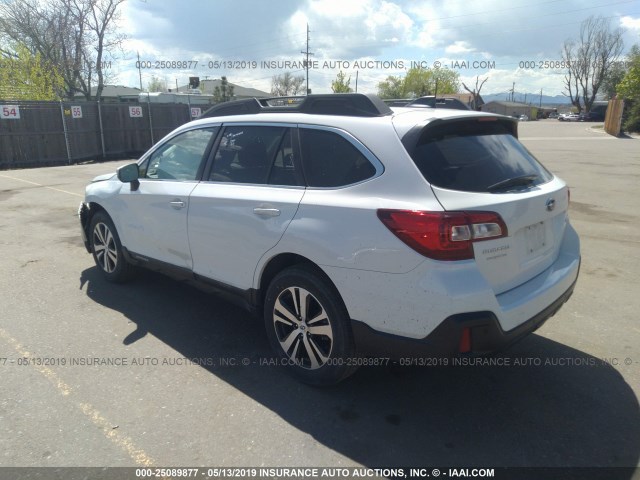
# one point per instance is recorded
(443, 235)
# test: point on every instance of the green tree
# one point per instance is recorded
(340, 85)
(25, 76)
(629, 88)
(427, 81)
(223, 92)
(448, 81)
(611, 80)
(392, 87)
(419, 82)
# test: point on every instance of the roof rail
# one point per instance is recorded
(347, 104)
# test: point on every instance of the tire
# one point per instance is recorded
(316, 344)
(107, 249)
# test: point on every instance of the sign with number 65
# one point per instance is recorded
(10, 112)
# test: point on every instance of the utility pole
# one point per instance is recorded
(307, 53)
(540, 98)
(139, 71)
(357, 80)
(513, 92)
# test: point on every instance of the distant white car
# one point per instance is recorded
(568, 117)
(352, 228)
(523, 118)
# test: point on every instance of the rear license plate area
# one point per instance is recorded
(535, 237)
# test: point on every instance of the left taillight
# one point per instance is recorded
(443, 235)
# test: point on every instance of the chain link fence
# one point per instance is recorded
(34, 134)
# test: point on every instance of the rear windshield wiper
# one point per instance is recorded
(505, 185)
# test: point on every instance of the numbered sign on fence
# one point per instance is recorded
(135, 112)
(196, 112)
(10, 112)
(76, 112)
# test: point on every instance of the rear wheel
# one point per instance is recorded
(107, 249)
(308, 327)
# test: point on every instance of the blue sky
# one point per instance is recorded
(490, 38)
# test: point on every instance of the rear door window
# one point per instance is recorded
(257, 155)
(476, 156)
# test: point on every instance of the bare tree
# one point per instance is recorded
(475, 92)
(571, 78)
(75, 36)
(589, 59)
(286, 85)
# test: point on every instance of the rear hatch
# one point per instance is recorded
(476, 163)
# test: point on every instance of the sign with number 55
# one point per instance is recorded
(10, 112)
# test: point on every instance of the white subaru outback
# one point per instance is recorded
(353, 229)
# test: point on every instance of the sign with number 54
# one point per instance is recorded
(10, 112)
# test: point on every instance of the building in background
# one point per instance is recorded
(511, 109)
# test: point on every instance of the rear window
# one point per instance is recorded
(476, 156)
(330, 160)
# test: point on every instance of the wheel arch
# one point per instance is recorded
(283, 261)
(86, 213)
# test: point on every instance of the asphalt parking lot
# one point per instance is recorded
(572, 401)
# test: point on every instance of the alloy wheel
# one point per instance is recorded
(104, 245)
(302, 328)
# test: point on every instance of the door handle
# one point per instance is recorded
(177, 204)
(266, 212)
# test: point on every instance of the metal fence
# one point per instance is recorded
(36, 134)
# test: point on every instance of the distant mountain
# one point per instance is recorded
(532, 98)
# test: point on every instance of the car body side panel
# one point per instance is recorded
(228, 236)
(153, 220)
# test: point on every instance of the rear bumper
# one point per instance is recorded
(487, 336)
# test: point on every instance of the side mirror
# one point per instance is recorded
(129, 174)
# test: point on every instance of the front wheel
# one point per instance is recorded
(107, 249)
(308, 326)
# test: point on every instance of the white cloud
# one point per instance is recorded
(630, 23)
(459, 47)
(341, 29)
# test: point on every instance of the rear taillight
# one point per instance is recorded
(465, 341)
(443, 235)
